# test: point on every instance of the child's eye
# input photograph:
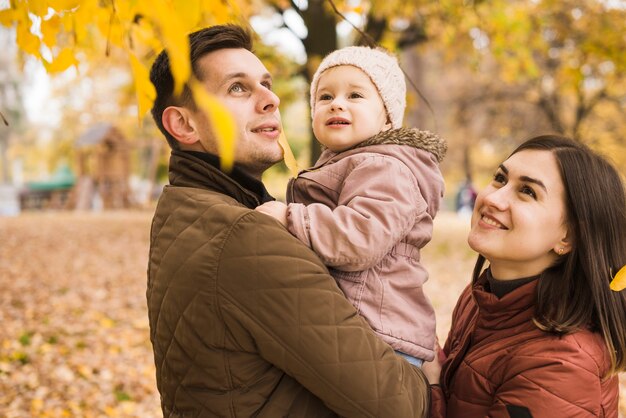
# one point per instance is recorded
(355, 95)
(529, 191)
(326, 97)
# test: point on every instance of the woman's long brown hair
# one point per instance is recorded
(574, 293)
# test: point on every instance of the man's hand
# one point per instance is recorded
(432, 369)
(275, 209)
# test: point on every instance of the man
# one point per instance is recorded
(244, 319)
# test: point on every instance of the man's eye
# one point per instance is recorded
(236, 88)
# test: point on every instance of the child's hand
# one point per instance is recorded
(275, 209)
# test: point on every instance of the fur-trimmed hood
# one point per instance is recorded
(413, 137)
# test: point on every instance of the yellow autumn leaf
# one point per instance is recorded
(189, 13)
(25, 40)
(144, 89)
(60, 5)
(106, 323)
(142, 33)
(290, 160)
(8, 17)
(110, 26)
(174, 36)
(82, 18)
(619, 281)
(220, 12)
(178, 51)
(222, 122)
(64, 60)
(110, 411)
(358, 9)
(49, 30)
(38, 7)
(125, 10)
(36, 405)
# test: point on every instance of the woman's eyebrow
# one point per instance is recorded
(534, 181)
(525, 178)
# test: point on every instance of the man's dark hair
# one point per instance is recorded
(201, 43)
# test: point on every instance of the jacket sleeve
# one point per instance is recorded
(278, 299)
(563, 382)
(378, 204)
(437, 402)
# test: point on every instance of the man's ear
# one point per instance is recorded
(179, 122)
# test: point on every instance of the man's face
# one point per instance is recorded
(242, 83)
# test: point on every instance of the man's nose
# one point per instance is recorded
(268, 102)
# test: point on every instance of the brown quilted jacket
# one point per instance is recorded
(499, 364)
(246, 321)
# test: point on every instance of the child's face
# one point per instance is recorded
(348, 108)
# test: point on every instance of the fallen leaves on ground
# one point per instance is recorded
(74, 338)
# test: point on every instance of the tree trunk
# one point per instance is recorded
(321, 40)
(4, 161)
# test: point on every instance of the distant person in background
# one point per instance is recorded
(539, 333)
(367, 206)
(465, 198)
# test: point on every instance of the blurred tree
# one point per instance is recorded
(394, 24)
(61, 33)
(11, 103)
(542, 66)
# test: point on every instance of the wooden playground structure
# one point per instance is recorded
(101, 180)
(103, 165)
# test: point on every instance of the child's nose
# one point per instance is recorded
(337, 104)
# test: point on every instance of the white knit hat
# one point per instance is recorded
(381, 67)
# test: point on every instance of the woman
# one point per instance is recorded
(539, 333)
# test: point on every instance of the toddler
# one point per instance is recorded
(367, 206)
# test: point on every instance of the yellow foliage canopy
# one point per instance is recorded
(57, 32)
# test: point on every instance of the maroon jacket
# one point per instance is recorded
(499, 364)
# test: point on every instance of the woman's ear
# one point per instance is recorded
(180, 124)
(564, 245)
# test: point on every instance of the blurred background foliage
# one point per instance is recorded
(484, 74)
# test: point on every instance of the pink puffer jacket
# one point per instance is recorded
(367, 212)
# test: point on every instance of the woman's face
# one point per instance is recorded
(518, 222)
